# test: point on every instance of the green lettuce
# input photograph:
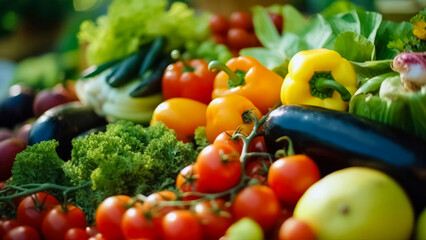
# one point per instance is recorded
(130, 23)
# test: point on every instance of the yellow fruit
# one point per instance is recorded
(357, 203)
(421, 226)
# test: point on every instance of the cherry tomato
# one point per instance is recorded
(258, 170)
(215, 218)
(187, 181)
(97, 237)
(32, 209)
(57, 222)
(218, 24)
(174, 114)
(241, 20)
(226, 138)
(289, 177)
(2, 185)
(238, 38)
(109, 214)
(257, 145)
(76, 234)
(91, 231)
(150, 205)
(7, 225)
(278, 21)
(137, 224)
(219, 167)
(293, 229)
(22, 233)
(259, 203)
(181, 224)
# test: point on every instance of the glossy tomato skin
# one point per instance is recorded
(226, 138)
(258, 170)
(187, 181)
(214, 220)
(150, 205)
(57, 222)
(259, 203)
(22, 233)
(293, 228)
(76, 234)
(219, 168)
(32, 209)
(7, 225)
(109, 214)
(242, 20)
(278, 21)
(218, 24)
(238, 38)
(291, 176)
(136, 224)
(181, 224)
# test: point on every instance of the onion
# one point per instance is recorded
(412, 67)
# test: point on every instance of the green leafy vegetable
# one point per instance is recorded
(125, 159)
(356, 34)
(39, 164)
(130, 23)
(208, 50)
(360, 50)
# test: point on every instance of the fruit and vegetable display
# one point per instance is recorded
(268, 124)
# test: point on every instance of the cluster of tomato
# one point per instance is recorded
(215, 192)
(41, 216)
(237, 31)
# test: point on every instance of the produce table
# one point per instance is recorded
(256, 124)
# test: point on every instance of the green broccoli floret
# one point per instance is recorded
(39, 164)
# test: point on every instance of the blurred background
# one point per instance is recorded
(38, 38)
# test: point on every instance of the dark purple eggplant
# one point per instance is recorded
(336, 140)
(18, 107)
(63, 123)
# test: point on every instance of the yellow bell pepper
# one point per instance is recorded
(247, 77)
(319, 77)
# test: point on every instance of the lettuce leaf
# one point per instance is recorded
(130, 23)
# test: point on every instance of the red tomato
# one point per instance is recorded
(258, 170)
(137, 224)
(76, 234)
(241, 20)
(259, 203)
(32, 209)
(150, 205)
(219, 168)
(218, 24)
(238, 38)
(181, 224)
(226, 138)
(257, 145)
(187, 181)
(92, 231)
(293, 229)
(7, 225)
(109, 215)
(22, 233)
(57, 222)
(215, 219)
(289, 177)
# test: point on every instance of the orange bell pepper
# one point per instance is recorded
(247, 77)
(225, 113)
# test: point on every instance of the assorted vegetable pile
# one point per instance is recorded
(270, 125)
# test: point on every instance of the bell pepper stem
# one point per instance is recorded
(234, 78)
(175, 54)
(323, 84)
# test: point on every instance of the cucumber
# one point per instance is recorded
(336, 140)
